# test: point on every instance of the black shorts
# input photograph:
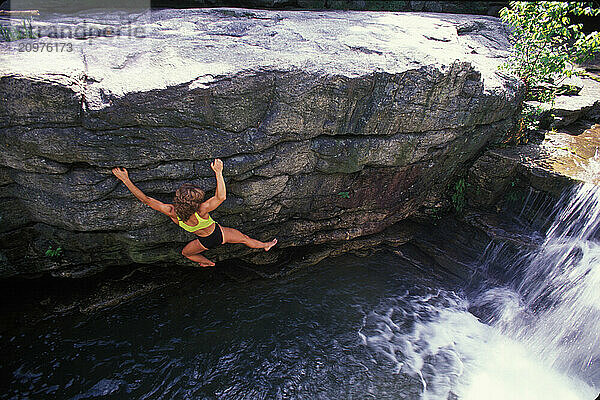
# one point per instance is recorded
(214, 239)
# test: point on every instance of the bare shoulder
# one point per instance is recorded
(169, 209)
(204, 209)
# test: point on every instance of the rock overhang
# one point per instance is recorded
(389, 114)
(198, 46)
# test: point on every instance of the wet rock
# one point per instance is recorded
(79, 272)
(497, 171)
(496, 228)
(332, 126)
(561, 160)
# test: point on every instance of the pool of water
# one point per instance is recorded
(348, 328)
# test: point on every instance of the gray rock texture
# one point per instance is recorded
(565, 110)
(300, 105)
(563, 159)
(456, 7)
(586, 104)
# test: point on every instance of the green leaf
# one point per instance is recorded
(545, 43)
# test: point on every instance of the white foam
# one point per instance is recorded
(450, 351)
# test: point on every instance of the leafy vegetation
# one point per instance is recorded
(513, 193)
(546, 48)
(458, 197)
(25, 31)
(546, 44)
(54, 253)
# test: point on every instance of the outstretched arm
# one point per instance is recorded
(123, 176)
(220, 193)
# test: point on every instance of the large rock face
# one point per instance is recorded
(445, 6)
(300, 105)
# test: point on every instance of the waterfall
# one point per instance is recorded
(537, 335)
(554, 306)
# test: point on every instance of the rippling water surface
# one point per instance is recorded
(349, 328)
(297, 336)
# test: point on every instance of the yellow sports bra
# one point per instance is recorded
(202, 223)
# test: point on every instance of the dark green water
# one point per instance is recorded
(348, 328)
(292, 337)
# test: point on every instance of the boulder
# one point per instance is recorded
(332, 126)
(457, 7)
(567, 109)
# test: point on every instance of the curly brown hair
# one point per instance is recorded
(187, 200)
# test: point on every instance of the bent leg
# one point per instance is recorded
(192, 251)
(231, 235)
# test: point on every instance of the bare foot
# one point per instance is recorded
(270, 244)
(206, 264)
(201, 260)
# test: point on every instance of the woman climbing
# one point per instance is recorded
(190, 212)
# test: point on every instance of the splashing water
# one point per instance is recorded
(453, 355)
(541, 338)
(559, 291)
(590, 168)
